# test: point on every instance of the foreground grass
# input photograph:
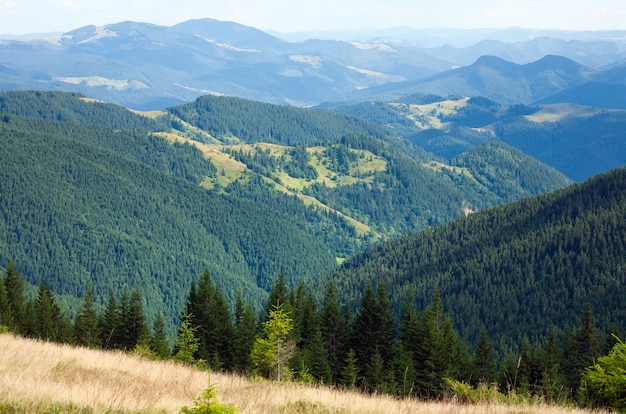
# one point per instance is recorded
(44, 377)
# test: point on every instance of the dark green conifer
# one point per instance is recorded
(316, 359)
(47, 315)
(108, 325)
(244, 336)
(4, 304)
(484, 361)
(580, 351)
(15, 298)
(335, 329)
(86, 329)
(158, 340)
(279, 296)
(306, 318)
(350, 371)
(212, 321)
(365, 327)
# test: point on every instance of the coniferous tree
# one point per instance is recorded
(528, 372)
(29, 327)
(350, 372)
(211, 317)
(408, 354)
(484, 361)
(221, 337)
(580, 351)
(305, 321)
(604, 383)
(244, 334)
(47, 315)
(15, 298)
(386, 331)
(365, 328)
(316, 359)
(122, 332)
(108, 325)
(187, 343)
(158, 340)
(403, 371)
(279, 295)
(272, 352)
(375, 378)
(552, 382)
(136, 321)
(438, 351)
(4, 304)
(86, 330)
(335, 329)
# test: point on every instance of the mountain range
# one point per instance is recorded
(145, 66)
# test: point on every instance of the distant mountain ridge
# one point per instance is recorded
(146, 66)
(500, 80)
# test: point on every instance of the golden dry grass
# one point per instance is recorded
(44, 377)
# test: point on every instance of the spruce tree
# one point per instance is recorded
(187, 343)
(581, 350)
(552, 382)
(272, 352)
(365, 328)
(86, 330)
(335, 329)
(222, 335)
(484, 361)
(350, 371)
(136, 321)
(15, 298)
(47, 315)
(4, 304)
(306, 318)
(279, 295)
(108, 325)
(211, 318)
(158, 340)
(244, 334)
(386, 333)
(316, 358)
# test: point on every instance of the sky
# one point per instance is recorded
(40, 16)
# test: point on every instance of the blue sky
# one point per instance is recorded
(29, 16)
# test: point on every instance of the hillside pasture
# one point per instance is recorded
(45, 377)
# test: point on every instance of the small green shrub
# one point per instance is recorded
(482, 393)
(208, 404)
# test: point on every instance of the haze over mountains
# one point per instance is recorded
(144, 66)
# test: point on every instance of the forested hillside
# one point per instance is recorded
(92, 191)
(519, 270)
(356, 167)
(82, 204)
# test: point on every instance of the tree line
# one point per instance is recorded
(298, 338)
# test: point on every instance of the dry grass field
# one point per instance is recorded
(44, 377)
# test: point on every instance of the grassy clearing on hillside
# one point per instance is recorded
(44, 377)
(438, 166)
(428, 116)
(557, 112)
